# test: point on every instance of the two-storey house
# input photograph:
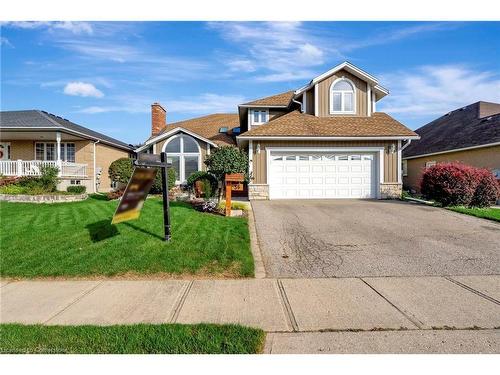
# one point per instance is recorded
(325, 140)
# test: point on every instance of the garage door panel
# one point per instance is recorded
(319, 175)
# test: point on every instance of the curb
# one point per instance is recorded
(260, 271)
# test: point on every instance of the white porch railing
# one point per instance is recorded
(34, 167)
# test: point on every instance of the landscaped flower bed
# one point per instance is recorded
(40, 189)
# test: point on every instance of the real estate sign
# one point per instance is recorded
(135, 194)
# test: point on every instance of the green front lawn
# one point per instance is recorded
(131, 339)
(485, 213)
(77, 239)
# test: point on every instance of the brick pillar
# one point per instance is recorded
(158, 118)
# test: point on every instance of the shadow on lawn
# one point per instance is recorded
(102, 230)
(139, 229)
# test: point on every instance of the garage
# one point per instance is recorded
(322, 175)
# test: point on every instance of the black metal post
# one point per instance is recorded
(164, 186)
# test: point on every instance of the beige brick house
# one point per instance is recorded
(322, 141)
(31, 139)
(470, 135)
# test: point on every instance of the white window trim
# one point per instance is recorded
(400, 165)
(405, 169)
(378, 151)
(182, 154)
(252, 111)
(62, 157)
(368, 99)
(342, 112)
(430, 163)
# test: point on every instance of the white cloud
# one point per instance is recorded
(242, 65)
(286, 51)
(73, 27)
(82, 89)
(436, 90)
(390, 35)
(278, 49)
(101, 109)
(5, 42)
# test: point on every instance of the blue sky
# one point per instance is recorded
(106, 75)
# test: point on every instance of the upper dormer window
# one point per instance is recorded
(259, 116)
(342, 96)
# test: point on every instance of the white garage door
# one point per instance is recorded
(322, 175)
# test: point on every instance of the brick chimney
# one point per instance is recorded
(158, 118)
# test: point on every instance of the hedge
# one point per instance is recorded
(456, 184)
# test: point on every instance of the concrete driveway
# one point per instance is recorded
(356, 238)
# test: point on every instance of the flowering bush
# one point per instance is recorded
(487, 189)
(456, 184)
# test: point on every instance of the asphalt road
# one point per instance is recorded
(357, 238)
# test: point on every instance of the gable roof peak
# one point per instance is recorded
(354, 70)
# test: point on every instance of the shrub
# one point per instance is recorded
(456, 184)
(120, 170)
(451, 184)
(156, 188)
(48, 180)
(207, 180)
(12, 189)
(76, 189)
(207, 187)
(227, 159)
(487, 189)
(235, 205)
(46, 183)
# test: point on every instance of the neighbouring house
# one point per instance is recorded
(32, 139)
(470, 135)
(324, 140)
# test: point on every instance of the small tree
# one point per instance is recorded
(225, 160)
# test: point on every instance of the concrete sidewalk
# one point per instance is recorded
(275, 305)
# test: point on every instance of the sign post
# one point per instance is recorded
(164, 191)
(234, 181)
(138, 188)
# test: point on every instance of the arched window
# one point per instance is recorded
(184, 153)
(342, 96)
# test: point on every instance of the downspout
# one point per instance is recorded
(299, 103)
(406, 145)
(95, 180)
(400, 170)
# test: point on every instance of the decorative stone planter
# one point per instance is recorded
(44, 198)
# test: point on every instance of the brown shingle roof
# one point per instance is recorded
(208, 127)
(299, 124)
(282, 100)
(474, 125)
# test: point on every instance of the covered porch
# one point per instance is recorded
(25, 153)
(34, 167)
